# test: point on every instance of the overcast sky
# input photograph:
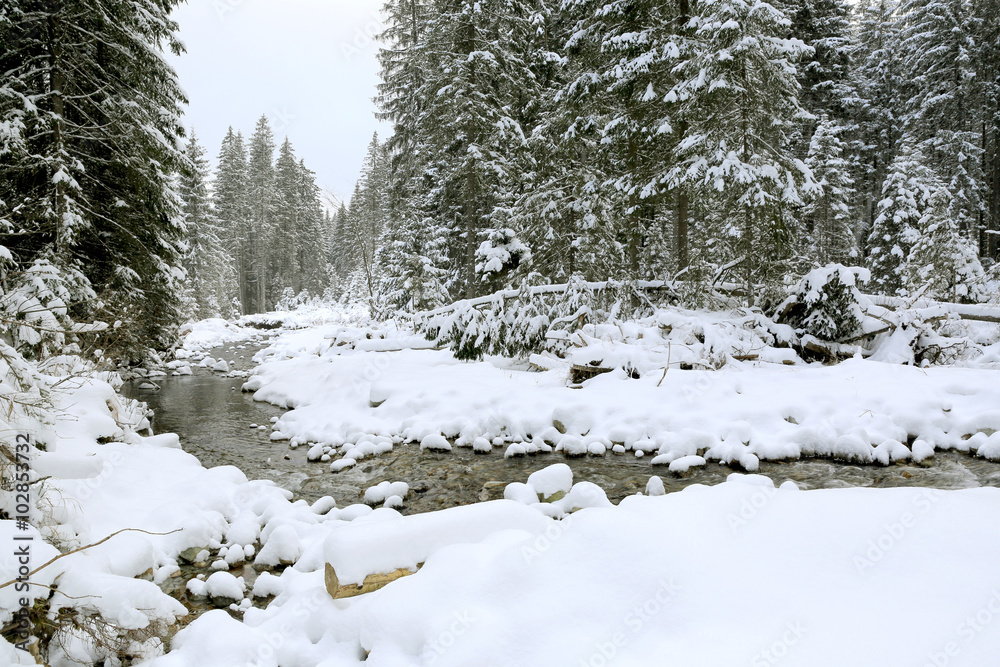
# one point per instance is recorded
(308, 64)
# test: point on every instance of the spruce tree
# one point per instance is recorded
(938, 49)
(943, 263)
(831, 236)
(739, 92)
(905, 194)
(342, 251)
(260, 209)
(987, 61)
(824, 75)
(565, 214)
(879, 83)
(313, 233)
(96, 109)
(284, 271)
(465, 119)
(208, 284)
(630, 50)
(233, 213)
(368, 214)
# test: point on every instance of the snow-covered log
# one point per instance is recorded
(965, 311)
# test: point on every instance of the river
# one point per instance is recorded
(213, 419)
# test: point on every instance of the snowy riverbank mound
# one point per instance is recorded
(741, 573)
(199, 337)
(356, 392)
(122, 508)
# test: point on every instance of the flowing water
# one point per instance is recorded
(213, 419)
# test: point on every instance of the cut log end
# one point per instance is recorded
(580, 374)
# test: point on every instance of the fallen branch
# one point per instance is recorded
(84, 548)
(667, 367)
(877, 332)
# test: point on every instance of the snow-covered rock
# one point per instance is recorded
(225, 585)
(685, 463)
(551, 480)
(380, 492)
(654, 487)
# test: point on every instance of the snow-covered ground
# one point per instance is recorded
(739, 573)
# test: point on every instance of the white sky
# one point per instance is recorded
(308, 64)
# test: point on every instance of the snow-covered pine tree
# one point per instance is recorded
(284, 271)
(943, 263)
(905, 193)
(411, 254)
(474, 96)
(342, 258)
(565, 214)
(99, 107)
(877, 78)
(260, 209)
(739, 92)
(369, 213)
(830, 234)
(938, 51)
(824, 76)
(232, 210)
(313, 233)
(630, 49)
(209, 284)
(402, 98)
(987, 14)
(403, 59)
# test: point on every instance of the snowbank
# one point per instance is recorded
(738, 415)
(104, 478)
(741, 573)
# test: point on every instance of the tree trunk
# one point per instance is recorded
(748, 256)
(993, 244)
(469, 213)
(683, 206)
(57, 85)
(683, 200)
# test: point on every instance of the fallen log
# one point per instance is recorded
(966, 311)
(372, 582)
(827, 351)
(545, 362)
(579, 374)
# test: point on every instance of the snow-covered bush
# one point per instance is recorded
(827, 303)
(34, 309)
(517, 324)
(506, 326)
